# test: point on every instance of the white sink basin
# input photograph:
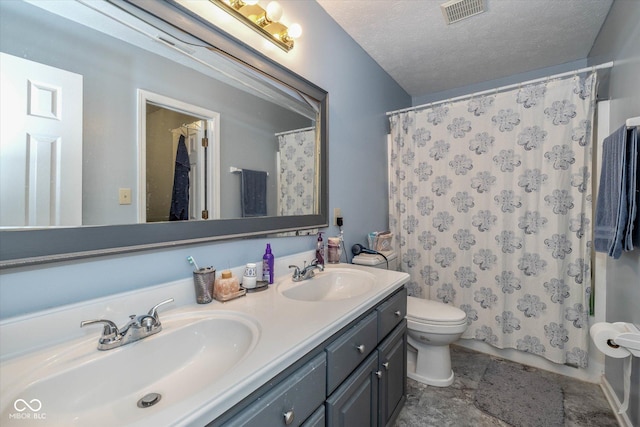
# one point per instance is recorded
(80, 385)
(330, 285)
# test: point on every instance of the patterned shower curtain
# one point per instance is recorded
(297, 172)
(490, 200)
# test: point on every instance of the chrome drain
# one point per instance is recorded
(149, 400)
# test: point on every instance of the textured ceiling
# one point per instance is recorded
(411, 41)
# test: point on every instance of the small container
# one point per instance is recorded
(250, 277)
(226, 286)
(203, 280)
(334, 252)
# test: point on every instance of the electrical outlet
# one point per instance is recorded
(124, 196)
(337, 213)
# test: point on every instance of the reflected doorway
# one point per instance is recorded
(179, 160)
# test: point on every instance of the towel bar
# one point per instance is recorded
(233, 169)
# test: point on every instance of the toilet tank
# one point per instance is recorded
(377, 261)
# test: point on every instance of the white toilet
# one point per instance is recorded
(432, 326)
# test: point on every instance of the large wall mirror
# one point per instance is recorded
(133, 125)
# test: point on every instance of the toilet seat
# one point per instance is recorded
(427, 312)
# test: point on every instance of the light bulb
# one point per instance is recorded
(274, 11)
(295, 31)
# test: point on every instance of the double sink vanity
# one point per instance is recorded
(330, 350)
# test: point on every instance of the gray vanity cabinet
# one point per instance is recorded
(356, 378)
(374, 392)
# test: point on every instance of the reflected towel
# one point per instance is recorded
(254, 193)
(180, 196)
(616, 204)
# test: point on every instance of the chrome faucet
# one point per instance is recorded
(137, 328)
(306, 272)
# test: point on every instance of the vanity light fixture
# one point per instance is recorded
(265, 21)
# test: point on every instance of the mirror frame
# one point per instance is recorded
(37, 246)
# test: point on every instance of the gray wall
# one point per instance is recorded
(619, 41)
(360, 93)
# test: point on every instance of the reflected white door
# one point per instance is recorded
(40, 144)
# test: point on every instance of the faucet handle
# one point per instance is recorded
(110, 329)
(154, 311)
(296, 272)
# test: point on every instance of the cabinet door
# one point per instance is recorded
(392, 359)
(290, 402)
(355, 402)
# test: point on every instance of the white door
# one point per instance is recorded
(40, 144)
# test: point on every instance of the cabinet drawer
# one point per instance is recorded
(391, 313)
(298, 396)
(348, 351)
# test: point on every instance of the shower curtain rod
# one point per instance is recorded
(503, 88)
(294, 131)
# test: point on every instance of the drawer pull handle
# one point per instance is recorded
(288, 417)
(397, 313)
(379, 374)
(360, 348)
(386, 365)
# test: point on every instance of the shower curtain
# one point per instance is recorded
(297, 172)
(490, 200)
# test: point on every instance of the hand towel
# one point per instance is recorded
(253, 193)
(611, 207)
(632, 231)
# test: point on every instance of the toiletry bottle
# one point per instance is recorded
(320, 250)
(334, 251)
(267, 265)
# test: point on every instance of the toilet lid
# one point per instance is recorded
(428, 311)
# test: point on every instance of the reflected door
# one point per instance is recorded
(40, 144)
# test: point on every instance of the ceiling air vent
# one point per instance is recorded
(457, 10)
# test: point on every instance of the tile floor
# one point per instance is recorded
(584, 403)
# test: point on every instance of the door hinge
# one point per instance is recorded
(205, 214)
(205, 142)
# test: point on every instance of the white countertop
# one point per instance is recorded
(288, 330)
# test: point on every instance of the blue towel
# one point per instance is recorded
(616, 205)
(253, 193)
(180, 196)
(632, 231)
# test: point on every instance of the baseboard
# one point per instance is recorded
(614, 402)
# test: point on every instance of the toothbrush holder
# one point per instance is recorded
(203, 279)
